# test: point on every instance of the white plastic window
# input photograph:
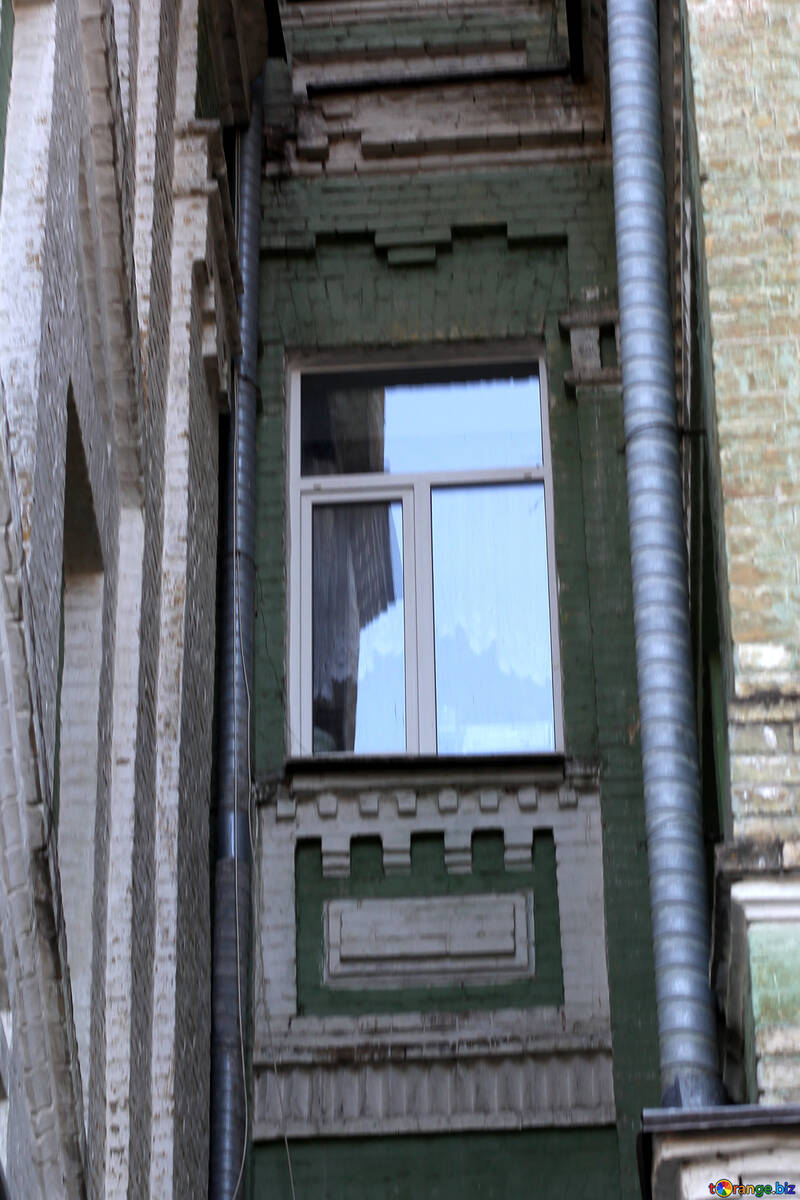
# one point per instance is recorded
(422, 581)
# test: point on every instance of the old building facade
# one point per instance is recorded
(447, 982)
(119, 326)
(438, 210)
(736, 215)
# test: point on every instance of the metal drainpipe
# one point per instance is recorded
(231, 953)
(679, 909)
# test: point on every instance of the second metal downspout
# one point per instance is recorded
(231, 956)
(686, 1018)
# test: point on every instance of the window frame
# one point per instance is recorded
(413, 491)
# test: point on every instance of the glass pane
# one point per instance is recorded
(480, 424)
(358, 640)
(494, 675)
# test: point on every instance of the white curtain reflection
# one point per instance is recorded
(491, 619)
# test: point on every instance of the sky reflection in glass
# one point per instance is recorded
(494, 688)
(485, 424)
(480, 425)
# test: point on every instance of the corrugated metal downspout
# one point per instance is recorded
(686, 1018)
(231, 960)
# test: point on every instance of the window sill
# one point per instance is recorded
(356, 772)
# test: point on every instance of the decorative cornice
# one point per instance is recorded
(561, 1088)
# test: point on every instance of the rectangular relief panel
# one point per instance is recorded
(396, 989)
(428, 941)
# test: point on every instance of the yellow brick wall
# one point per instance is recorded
(744, 76)
(743, 57)
(744, 62)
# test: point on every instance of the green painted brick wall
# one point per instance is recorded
(428, 877)
(774, 958)
(6, 45)
(514, 249)
(628, 930)
(544, 1164)
(539, 34)
(524, 245)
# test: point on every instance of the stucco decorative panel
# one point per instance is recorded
(530, 1063)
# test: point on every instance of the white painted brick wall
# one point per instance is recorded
(83, 599)
(87, 261)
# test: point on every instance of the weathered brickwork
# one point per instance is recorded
(745, 179)
(6, 40)
(743, 63)
(434, 247)
(155, 114)
(35, 1154)
(473, 208)
(117, 306)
